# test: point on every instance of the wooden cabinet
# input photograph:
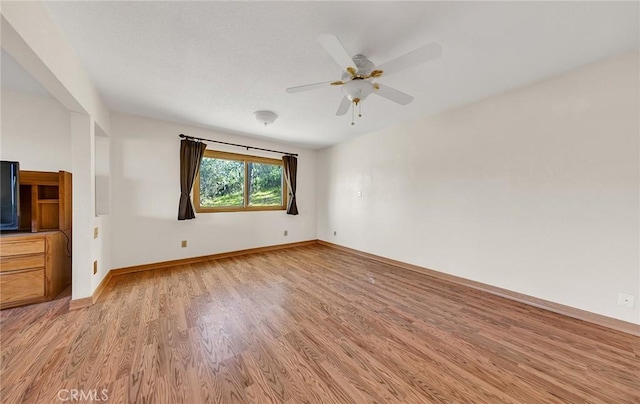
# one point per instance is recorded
(34, 267)
(35, 263)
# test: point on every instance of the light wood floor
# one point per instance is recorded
(309, 324)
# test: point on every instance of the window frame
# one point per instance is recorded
(245, 158)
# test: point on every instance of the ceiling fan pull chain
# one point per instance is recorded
(360, 110)
(353, 113)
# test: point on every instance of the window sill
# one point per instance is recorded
(241, 209)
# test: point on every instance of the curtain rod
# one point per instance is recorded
(237, 145)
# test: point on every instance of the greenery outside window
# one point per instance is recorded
(229, 182)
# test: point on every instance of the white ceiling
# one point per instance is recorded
(213, 64)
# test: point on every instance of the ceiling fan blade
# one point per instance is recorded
(334, 48)
(344, 106)
(413, 58)
(392, 94)
(308, 87)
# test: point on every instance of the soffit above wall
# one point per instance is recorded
(14, 77)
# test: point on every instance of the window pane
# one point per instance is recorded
(265, 184)
(221, 183)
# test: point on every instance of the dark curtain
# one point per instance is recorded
(290, 164)
(191, 153)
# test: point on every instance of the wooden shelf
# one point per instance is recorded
(45, 200)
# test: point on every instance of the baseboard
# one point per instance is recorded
(88, 301)
(78, 304)
(609, 322)
(193, 260)
(101, 287)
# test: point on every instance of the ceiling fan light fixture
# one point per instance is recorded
(357, 89)
(265, 117)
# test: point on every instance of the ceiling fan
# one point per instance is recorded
(359, 72)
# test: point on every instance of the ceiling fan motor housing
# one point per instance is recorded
(364, 66)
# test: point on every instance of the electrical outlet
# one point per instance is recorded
(184, 243)
(95, 267)
(359, 194)
(335, 233)
(626, 300)
(286, 233)
(95, 232)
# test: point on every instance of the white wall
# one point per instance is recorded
(146, 188)
(103, 172)
(102, 249)
(35, 132)
(82, 149)
(34, 40)
(102, 221)
(535, 190)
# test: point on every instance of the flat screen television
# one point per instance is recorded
(9, 195)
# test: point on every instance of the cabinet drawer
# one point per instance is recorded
(22, 285)
(9, 248)
(21, 262)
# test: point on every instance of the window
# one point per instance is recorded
(230, 182)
